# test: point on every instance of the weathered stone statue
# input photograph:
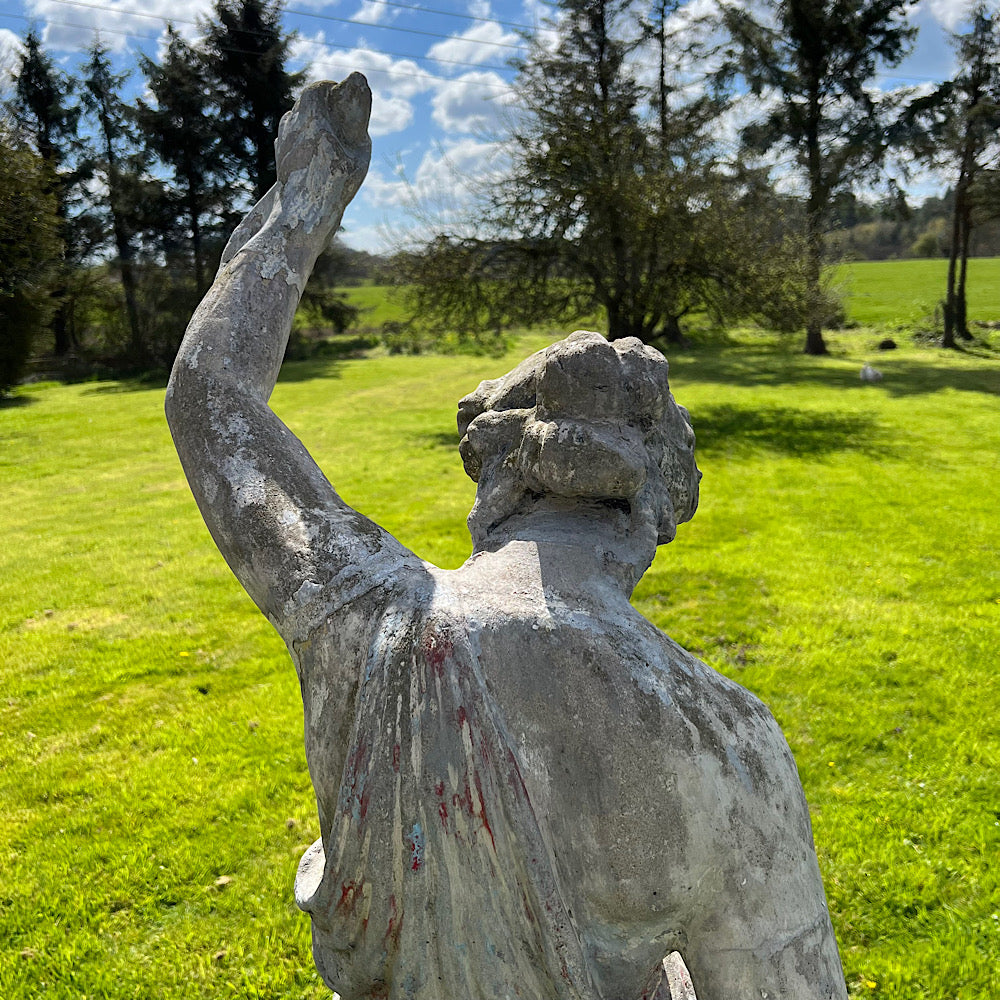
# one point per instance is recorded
(524, 788)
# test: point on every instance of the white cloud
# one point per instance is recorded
(73, 28)
(948, 13)
(456, 162)
(472, 102)
(394, 82)
(440, 195)
(10, 51)
(483, 42)
(373, 238)
(374, 13)
(446, 177)
(380, 191)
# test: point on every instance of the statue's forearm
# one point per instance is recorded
(278, 521)
(237, 336)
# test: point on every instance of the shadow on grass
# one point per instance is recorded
(746, 429)
(776, 366)
(308, 371)
(799, 433)
(291, 371)
(14, 402)
(147, 383)
(440, 439)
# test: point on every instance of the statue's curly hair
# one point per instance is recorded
(584, 419)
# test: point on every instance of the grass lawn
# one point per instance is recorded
(377, 304)
(905, 293)
(843, 565)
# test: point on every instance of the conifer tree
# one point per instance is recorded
(180, 127)
(612, 200)
(30, 250)
(47, 116)
(119, 163)
(813, 61)
(247, 54)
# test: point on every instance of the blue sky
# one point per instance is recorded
(438, 74)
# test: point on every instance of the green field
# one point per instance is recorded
(888, 295)
(377, 304)
(906, 293)
(843, 565)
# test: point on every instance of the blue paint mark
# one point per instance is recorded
(415, 842)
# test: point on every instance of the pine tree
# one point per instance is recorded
(121, 167)
(46, 115)
(30, 251)
(813, 61)
(180, 127)
(247, 54)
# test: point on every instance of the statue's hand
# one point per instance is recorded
(323, 149)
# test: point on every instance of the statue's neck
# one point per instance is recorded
(578, 549)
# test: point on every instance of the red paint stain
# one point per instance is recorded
(482, 809)
(437, 650)
(350, 893)
(391, 938)
(396, 752)
(528, 912)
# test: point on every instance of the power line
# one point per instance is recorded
(430, 10)
(392, 73)
(319, 17)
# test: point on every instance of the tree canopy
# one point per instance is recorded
(30, 248)
(812, 63)
(957, 127)
(614, 198)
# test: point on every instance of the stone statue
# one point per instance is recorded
(524, 788)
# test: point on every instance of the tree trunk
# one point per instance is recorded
(672, 332)
(61, 329)
(197, 251)
(815, 344)
(961, 305)
(950, 307)
(617, 327)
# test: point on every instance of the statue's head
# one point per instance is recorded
(585, 420)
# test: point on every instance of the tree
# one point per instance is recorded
(957, 126)
(612, 199)
(44, 112)
(180, 128)
(812, 62)
(30, 249)
(120, 163)
(247, 52)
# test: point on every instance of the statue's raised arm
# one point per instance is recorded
(292, 542)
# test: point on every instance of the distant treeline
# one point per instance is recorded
(895, 230)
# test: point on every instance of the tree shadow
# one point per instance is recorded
(439, 439)
(291, 371)
(728, 428)
(309, 371)
(145, 383)
(15, 402)
(774, 366)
